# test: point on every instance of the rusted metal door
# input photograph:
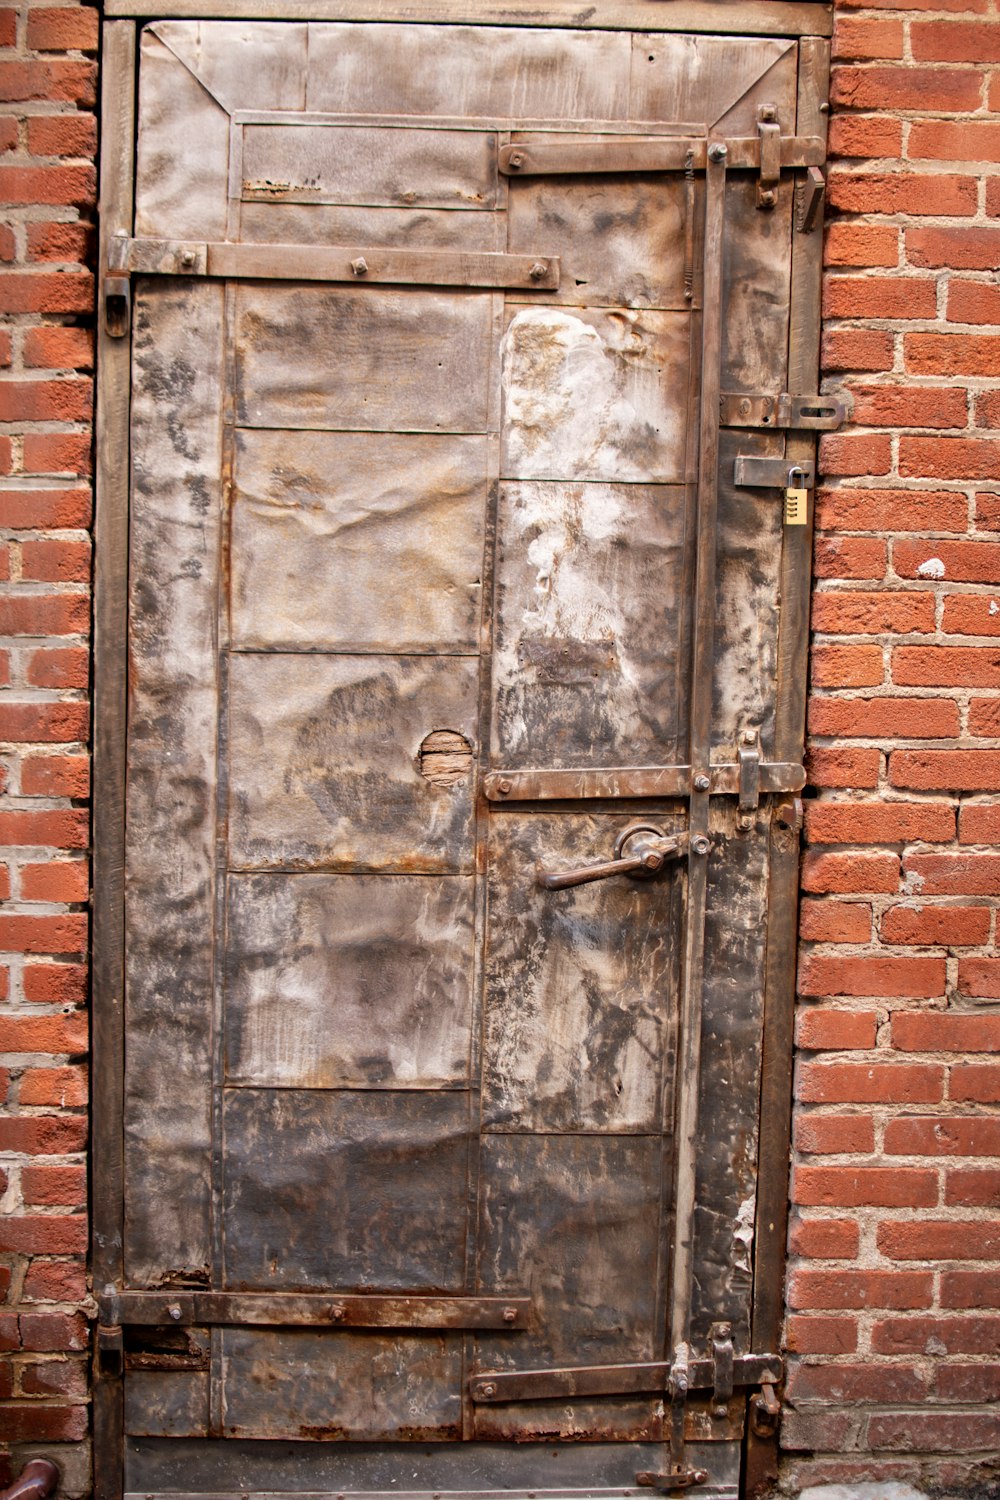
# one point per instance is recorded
(471, 427)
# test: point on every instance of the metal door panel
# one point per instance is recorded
(594, 394)
(345, 1190)
(252, 65)
(580, 985)
(327, 224)
(167, 1403)
(589, 598)
(705, 77)
(382, 166)
(378, 359)
(358, 541)
(179, 123)
(337, 981)
(325, 768)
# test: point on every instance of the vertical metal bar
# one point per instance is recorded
(702, 676)
(793, 638)
(110, 702)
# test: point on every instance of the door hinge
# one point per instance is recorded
(804, 413)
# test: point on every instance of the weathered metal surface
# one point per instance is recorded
(529, 157)
(805, 413)
(358, 541)
(580, 986)
(178, 1310)
(349, 981)
(376, 359)
(594, 394)
(587, 607)
(324, 224)
(325, 769)
(610, 1380)
(346, 1190)
(182, 155)
(170, 853)
(166, 1403)
(614, 782)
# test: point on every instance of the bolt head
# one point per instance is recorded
(515, 159)
(174, 1312)
(338, 1312)
(510, 1315)
(360, 266)
(700, 844)
(768, 112)
(768, 199)
(538, 270)
(718, 151)
(489, 1389)
(188, 257)
(702, 783)
(720, 1411)
(748, 736)
(503, 786)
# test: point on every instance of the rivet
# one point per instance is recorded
(510, 1314)
(538, 270)
(489, 1389)
(503, 786)
(360, 266)
(188, 257)
(174, 1312)
(767, 199)
(720, 1411)
(338, 1312)
(748, 736)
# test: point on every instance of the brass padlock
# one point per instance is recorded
(796, 498)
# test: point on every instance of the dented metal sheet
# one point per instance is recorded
(182, 165)
(595, 395)
(280, 223)
(345, 1190)
(325, 763)
(358, 541)
(361, 357)
(337, 981)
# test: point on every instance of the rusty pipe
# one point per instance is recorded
(37, 1480)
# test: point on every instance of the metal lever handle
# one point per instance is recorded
(639, 851)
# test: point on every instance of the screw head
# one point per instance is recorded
(360, 266)
(702, 783)
(718, 151)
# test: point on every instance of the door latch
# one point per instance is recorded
(640, 851)
(765, 1409)
(671, 1479)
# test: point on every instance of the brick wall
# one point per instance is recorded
(894, 1289)
(894, 1284)
(47, 145)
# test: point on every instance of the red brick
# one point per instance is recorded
(955, 41)
(979, 823)
(51, 1034)
(949, 926)
(51, 1234)
(945, 770)
(878, 822)
(845, 874)
(876, 718)
(45, 400)
(964, 249)
(6, 449)
(829, 1430)
(833, 1135)
(968, 1382)
(65, 668)
(54, 1377)
(824, 1239)
(805, 1335)
(55, 776)
(973, 302)
(862, 1187)
(858, 38)
(55, 983)
(71, 243)
(879, 297)
(946, 1031)
(8, 245)
(862, 244)
(954, 874)
(66, 1087)
(10, 1337)
(9, 129)
(979, 1288)
(932, 1335)
(6, 349)
(870, 1083)
(984, 716)
(971, 614)
(39, 1422)
(828, 767)
(940, 1239)
(72, 28)
(54, 1281)
(54, 1331)
(53, 561)
(40, 1135)
(54, 1186)
(952, 1432)
(59, 349)
(62, 135)
(889, 89)
(952, 353)
(75, 185)
(849, 557)
(975, 1082)
(847, 666)
(910, 406)
(56, 934)
(972, 1187)
(54, 81)
(850, 453)
(857, 349)
(57, 453)
(988, 409)
(38, 509)
(59, 880)
(949, 458)
(812, 1290)
(954, 140)
(869, 1383)
(835, 1030)
(946, 666)
(23, 722)
(940, 1135)
(979, 978)
(835, 921)
(899, 192)
(874, 974)
(55, 828)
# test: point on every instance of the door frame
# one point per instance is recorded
(809, 20)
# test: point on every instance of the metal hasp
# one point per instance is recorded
(754, 473)
(721, 1371)
(640, 851)
(783, 411)
(531, 158)
(36, 1480)
(748, 756)
(769, 132)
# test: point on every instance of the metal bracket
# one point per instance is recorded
(671, 1479)
(109, 1351)
(748, 758)
(769, 134)
(809, 196)
(765, 1409)
(796, 413)
(755, 473)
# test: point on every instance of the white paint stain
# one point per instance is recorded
(994, 607)
(932, 568)
(743, 1234)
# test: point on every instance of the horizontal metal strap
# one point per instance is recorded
(799, 413)
(611, 782)
(324, 1310)
(361, 264)
(613, 1380)
(650, 154)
